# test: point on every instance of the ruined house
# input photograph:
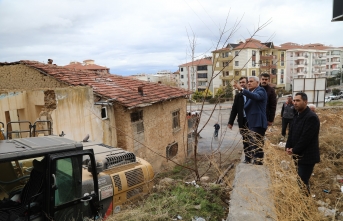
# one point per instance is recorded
(146, 118)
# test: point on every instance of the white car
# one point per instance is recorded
(334, 97)
(327, 99)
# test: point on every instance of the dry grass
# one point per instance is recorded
(290, 200)
(167, 201)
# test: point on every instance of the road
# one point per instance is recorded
(227, 140)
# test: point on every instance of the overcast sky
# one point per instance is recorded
(146, 36)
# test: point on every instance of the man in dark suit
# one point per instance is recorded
(255, 110)
(271, 102)
(303, 139)
(238, 110)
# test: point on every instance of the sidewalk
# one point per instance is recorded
(251, 198)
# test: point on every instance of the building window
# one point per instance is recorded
(181, 69)
(225, 64)
(136, 116)
(202, 83)
(236, 73)
(282, 63)
(202, 75)
(236, 63)
(281, 71)
(227, 73)
(282, 54)
(137, 121)
(181, 76)
(236, 53)
(253, 63)
(104, 113)
(176, 119)
(253, 53)
(225, 54)
(171, 150)
(202, 68)
(253, 73)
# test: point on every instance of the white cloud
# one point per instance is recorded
(146, 36)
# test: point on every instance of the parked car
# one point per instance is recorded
(327, 99)
(334, 97)
(340, 94)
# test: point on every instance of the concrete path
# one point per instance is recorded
(251, 198)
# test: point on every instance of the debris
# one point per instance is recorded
(282, 144)
(205, 179)
(326, 191)
(198, 219)
(177, 217)
(198, 207)
(327, 212)
(193, 183)
(284, 165)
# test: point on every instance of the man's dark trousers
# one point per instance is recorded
(305, 172)
(245, 136)
(286, 122)
(256, 143)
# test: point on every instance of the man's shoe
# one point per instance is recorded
(247, 161)
(258, 162)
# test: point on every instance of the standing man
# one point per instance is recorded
(255, 110)
(271, 103)
(303, 141)
(216, 129)
(238, 110)
(287, 114)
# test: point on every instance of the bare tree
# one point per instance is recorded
(224, 36)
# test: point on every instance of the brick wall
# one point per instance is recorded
(22, 77)
(158, 132)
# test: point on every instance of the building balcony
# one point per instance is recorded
(302, 65)
(267, 66)
(335, 61)
(228, 78)
(266, 57)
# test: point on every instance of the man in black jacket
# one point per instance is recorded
(271, 102)
(238, 110)
(303, 141)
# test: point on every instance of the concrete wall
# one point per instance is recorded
(158, 132)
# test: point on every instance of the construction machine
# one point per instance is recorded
(55, 178)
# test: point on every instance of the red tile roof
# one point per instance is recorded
(79, 66)
(122, 89)
(204, 61)
(251, 43)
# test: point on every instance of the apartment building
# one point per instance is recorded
(196, 76)
(250, 58)
(164, 77)
(311, 61)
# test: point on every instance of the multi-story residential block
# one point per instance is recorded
(196, 76)
(250, 58)
(164, 77)
(311, 61)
